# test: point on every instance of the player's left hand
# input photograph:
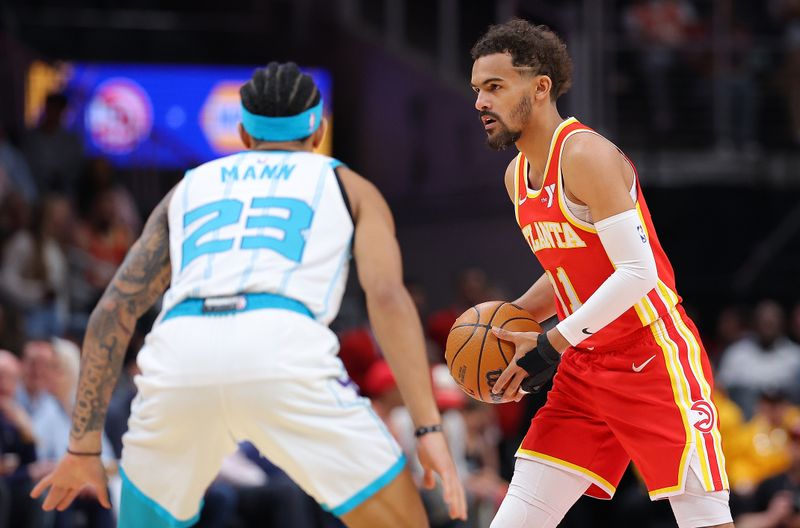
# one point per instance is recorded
(434, 456)
(71, 475)
(508, 384)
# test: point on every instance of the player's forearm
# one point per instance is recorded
(107, 337)
(539, 300)
(399, 333)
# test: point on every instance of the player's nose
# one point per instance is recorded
(481, 102)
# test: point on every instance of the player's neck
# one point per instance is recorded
(536, 138)
(294, 146)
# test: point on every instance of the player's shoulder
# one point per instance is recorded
(588, 144)
(589, 153)
(333, 162)
(354, 183)
(510, 175)
(512, 165)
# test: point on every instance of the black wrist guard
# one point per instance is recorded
(540, 364)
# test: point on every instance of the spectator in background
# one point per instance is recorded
(358, 351)
(100, 244)
(659, 30)
(381, 388)
(766, 361)
(14, 171)
(420, 297)
(38, 362)
(54, 154)
(787, 13)
(99, 177)
(776, 501)
(759, 449)
(472, 287)
(34, 274)
(485, 486)
(15, 215)
(731, 327)
(17, 450)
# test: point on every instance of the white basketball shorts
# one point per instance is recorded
(269, 376)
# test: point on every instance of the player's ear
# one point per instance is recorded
(319, 134)
(246, 138)
(542, 84)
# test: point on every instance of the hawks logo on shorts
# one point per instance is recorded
(704, 417)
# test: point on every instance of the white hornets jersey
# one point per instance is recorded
(264, 222)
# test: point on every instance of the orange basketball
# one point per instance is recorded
(474, 355)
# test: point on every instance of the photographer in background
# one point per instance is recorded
(776, 500)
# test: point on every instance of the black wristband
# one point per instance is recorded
(540, 358)
(76, 453)
(547, 350)
(425, 429)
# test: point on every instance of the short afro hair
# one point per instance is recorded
(536, 47)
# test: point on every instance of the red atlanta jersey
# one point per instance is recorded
(570, 250)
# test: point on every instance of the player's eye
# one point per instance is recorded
(494, 87)
(476, 89)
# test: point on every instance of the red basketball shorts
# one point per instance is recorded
(646, 398)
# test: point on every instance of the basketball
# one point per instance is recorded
(475, 357)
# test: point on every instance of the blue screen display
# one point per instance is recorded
(170, 116)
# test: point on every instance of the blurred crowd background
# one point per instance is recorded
(703, 95)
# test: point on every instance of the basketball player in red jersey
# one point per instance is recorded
(634, 382)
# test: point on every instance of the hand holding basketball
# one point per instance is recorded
(477, 357)
(508, 384)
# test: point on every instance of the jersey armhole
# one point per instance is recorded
(343, 192)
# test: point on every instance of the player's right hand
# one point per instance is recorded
(434, 456)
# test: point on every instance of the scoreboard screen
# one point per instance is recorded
(157, 115)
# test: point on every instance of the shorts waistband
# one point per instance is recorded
(233, 304)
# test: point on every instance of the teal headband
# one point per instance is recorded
(284, 128)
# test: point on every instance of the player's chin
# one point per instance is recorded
(499, 138)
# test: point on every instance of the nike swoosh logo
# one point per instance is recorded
(643, 365)
(523, 200)
(586, 331)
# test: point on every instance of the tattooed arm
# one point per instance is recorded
(140, 280)
(138, 283)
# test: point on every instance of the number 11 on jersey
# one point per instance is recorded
(565, 286)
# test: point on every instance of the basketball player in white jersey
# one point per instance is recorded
(255, 249)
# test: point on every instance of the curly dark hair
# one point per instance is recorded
(537, 47)
(279, 90)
